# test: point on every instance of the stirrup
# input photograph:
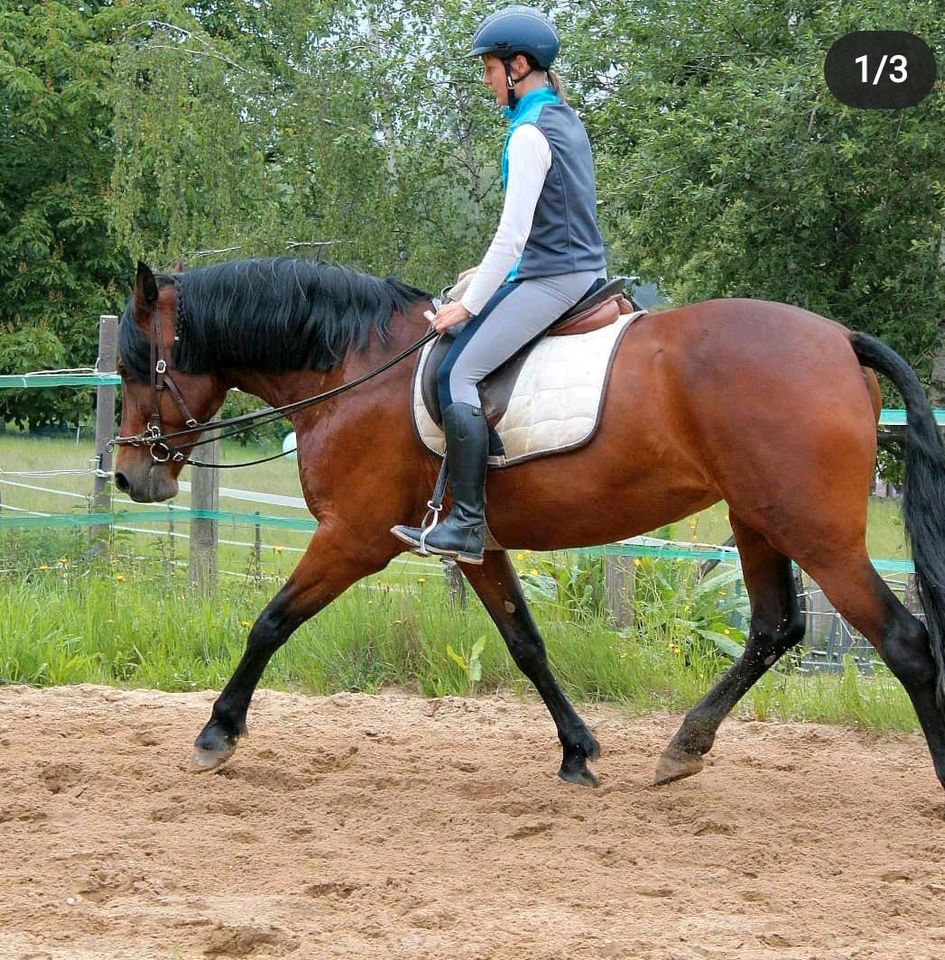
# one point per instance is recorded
(431, 518)
(434, 508)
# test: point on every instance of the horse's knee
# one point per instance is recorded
(907, 651)
(270, 631)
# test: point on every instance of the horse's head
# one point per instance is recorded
(157, 400)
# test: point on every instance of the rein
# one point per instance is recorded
(157, 442)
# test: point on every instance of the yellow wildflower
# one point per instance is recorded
(120, 577)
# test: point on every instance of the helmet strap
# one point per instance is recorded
(510, 82)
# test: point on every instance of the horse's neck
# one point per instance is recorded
(277, 389)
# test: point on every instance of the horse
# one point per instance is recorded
(767, 406)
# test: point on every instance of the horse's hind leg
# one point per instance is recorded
(859, 594)
(498, 587)
(777, 624)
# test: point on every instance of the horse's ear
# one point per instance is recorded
(146, 293)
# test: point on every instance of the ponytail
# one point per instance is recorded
(554, 81)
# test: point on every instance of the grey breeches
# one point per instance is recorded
(516, 314)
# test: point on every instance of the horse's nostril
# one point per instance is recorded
(121, 481)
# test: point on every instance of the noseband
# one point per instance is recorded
(157, 441)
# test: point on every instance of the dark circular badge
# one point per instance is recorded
(880, 69)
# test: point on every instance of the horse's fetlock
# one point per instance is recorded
(697, 734)
(228, 722)
(792, 632)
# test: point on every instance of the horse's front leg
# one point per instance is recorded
(326, 570)
(498, 587)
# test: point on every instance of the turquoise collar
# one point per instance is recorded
(535, 99)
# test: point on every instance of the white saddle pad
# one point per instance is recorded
(556, 403)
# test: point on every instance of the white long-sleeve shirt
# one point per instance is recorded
(529, 155)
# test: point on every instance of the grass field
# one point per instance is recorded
(129, 616)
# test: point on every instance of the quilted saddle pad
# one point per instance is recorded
(555, 404)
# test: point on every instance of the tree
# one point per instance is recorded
(728, 169)
(59, 268)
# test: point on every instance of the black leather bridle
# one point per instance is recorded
(158, 442)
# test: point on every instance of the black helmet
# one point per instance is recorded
(517, 29)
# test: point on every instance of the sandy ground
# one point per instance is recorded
(390, 826)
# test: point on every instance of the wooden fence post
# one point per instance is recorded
(619, 582)
(257, 551)
(171, 548)
(104, 422)
(205, 495)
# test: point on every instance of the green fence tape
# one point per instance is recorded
(703, 554)
(896, 417)
(126, 517)
(41, 380)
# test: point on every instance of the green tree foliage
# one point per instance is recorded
(728, 168)
(350, 130)
(58, 266)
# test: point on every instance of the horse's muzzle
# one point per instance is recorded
(146, 482)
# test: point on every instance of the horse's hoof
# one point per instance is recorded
(676, 765)
(204, 761)
(578, 773)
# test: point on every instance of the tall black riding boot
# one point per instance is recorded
(462, 533)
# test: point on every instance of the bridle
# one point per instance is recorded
(158, 442)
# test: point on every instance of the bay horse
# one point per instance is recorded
(767, 406)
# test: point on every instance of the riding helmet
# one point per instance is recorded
(517, 29)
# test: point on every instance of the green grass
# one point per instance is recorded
(132, 625)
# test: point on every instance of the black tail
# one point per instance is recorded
(923, 499)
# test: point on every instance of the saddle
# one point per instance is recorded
(598, 310)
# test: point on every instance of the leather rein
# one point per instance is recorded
(157, 441)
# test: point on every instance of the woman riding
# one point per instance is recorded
(547, 254)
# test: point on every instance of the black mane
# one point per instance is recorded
(269, 314)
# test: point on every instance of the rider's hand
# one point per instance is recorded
(466, 273)
(449, 315)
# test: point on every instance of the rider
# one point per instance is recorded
(547, 254)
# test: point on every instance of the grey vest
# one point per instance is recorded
(564, 237)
